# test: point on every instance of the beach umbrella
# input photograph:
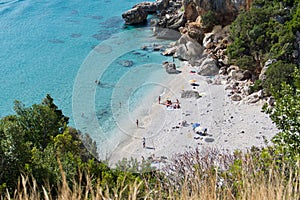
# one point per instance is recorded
(192, 81)
(200, 129)
(195, 125)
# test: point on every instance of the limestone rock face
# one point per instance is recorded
(135, 15)
(195, 31)
(225, 10)
(188, 48)
(208, 67)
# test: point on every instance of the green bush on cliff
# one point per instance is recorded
(266, 31)
(277, 73)
(209, 19)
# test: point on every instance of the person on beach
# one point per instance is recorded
(137, 123)
(144, 142)
(97, 82)
(158, 99)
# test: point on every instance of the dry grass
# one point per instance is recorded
(186, 179)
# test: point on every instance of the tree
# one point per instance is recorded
(286, 115)
(41, 122)
(48, 101)
(15, 152)
(266, 31)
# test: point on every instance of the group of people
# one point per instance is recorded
(170, 104)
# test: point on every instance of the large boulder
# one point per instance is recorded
(188, 49)
(170, 67)
(166, 34)
(135, 15)
(172, 21)
(236, 97)
(195, 31)
(236, 75)
(254, 97)
(208, 67)
(190, 94)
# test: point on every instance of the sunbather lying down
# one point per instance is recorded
(201, 131)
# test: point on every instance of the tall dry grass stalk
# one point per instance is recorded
(189, 179)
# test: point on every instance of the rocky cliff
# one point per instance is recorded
(225, 10)
(175, 13)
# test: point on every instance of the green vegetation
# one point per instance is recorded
(286, 115)
(278, 73)
(37, 142)
(266, 31)
(209, 19)
(42, 157)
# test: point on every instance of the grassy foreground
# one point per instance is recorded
(213, 176)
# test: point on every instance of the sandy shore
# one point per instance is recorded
(230, 125)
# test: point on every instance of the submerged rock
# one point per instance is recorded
(125, 63)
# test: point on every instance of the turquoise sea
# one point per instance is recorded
(44, 42)
(63, 47)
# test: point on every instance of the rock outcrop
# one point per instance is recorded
(208, 67)
(139, 12)
(188, 49)
(194, 31)
(170, 67)
(224, 10)
(148, 7)
(135, 15)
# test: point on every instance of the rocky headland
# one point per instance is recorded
(203, 43)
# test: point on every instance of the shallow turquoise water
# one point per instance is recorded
(61, 47)
(44, 42)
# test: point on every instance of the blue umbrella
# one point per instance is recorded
(196, 125)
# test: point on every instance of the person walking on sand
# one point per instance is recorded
(144, 142)
(137, 123)
(159, 99)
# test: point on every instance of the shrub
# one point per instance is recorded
(277, 73)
